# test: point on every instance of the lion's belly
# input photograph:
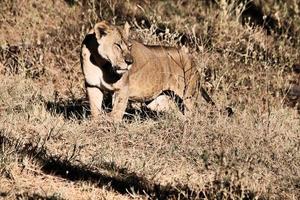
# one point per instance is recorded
(144, 88)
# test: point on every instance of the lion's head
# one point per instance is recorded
(114, 46)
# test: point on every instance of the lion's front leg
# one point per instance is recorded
(120, 104)
(95, 99)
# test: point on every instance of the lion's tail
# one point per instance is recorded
(209, 100)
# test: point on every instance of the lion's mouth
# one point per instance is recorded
(121, 71)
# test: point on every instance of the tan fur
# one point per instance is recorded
(155, 69)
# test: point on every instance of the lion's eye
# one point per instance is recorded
(118, 45)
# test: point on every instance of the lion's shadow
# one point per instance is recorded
(75, 108)
(79, 109)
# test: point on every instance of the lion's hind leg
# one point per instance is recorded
(191, 93)
(162, 103)
(168, 102)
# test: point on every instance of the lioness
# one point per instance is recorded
(112, 63)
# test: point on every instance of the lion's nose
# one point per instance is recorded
(128, 59)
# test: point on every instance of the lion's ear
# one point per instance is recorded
(101, 29)
(126, 30)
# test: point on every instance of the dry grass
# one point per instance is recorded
(50, 149)
(29, 182)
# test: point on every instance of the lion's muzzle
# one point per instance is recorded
(128, 59)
